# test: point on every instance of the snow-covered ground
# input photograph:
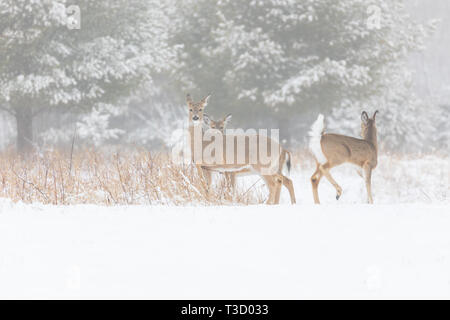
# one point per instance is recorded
(397, 248)
(258, 252)
(424, 179)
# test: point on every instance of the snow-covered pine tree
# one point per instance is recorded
(290, 60)
(44, 64)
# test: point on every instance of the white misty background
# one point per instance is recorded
(121, 79)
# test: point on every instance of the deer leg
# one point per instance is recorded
(315, 179)
(233, 180)
(206, 175)
(230, 179)
(227, 178)
(290, 186)
(326, 172)
(368, 180)
(278, 183)
(274, 192)
(271, 186)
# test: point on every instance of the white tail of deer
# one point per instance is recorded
(331, 150)
(248, 159)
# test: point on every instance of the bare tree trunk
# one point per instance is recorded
(24, 119)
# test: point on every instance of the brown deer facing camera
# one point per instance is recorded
(221, 126)
(331, 150)
(247, 159)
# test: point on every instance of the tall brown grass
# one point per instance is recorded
(132, 176)
(111, 178)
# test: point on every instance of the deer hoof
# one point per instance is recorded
(338, 194)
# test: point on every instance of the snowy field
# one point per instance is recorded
(397, 248)
(289, 252)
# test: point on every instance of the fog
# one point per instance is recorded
(119, 74)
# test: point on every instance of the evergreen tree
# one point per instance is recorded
(45, 63)
(289, 60)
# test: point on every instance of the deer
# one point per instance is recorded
(271, 173)
(331, 150)
(221, 126)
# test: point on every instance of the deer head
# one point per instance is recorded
(368, 127)
(219, 124)
(196, 109)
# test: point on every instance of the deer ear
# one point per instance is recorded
(206, 119)
(188, 98)
(227, 119)
(205, 100)
(364, 117)
(374, 115)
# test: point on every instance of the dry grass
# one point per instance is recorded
(125, 178)
(139, 177)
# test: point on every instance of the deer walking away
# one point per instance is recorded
(331, 150)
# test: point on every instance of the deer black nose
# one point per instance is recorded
(195, 118)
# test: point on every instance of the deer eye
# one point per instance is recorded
(190, 110)
(200, 110)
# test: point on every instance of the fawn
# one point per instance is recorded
(221, 126)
